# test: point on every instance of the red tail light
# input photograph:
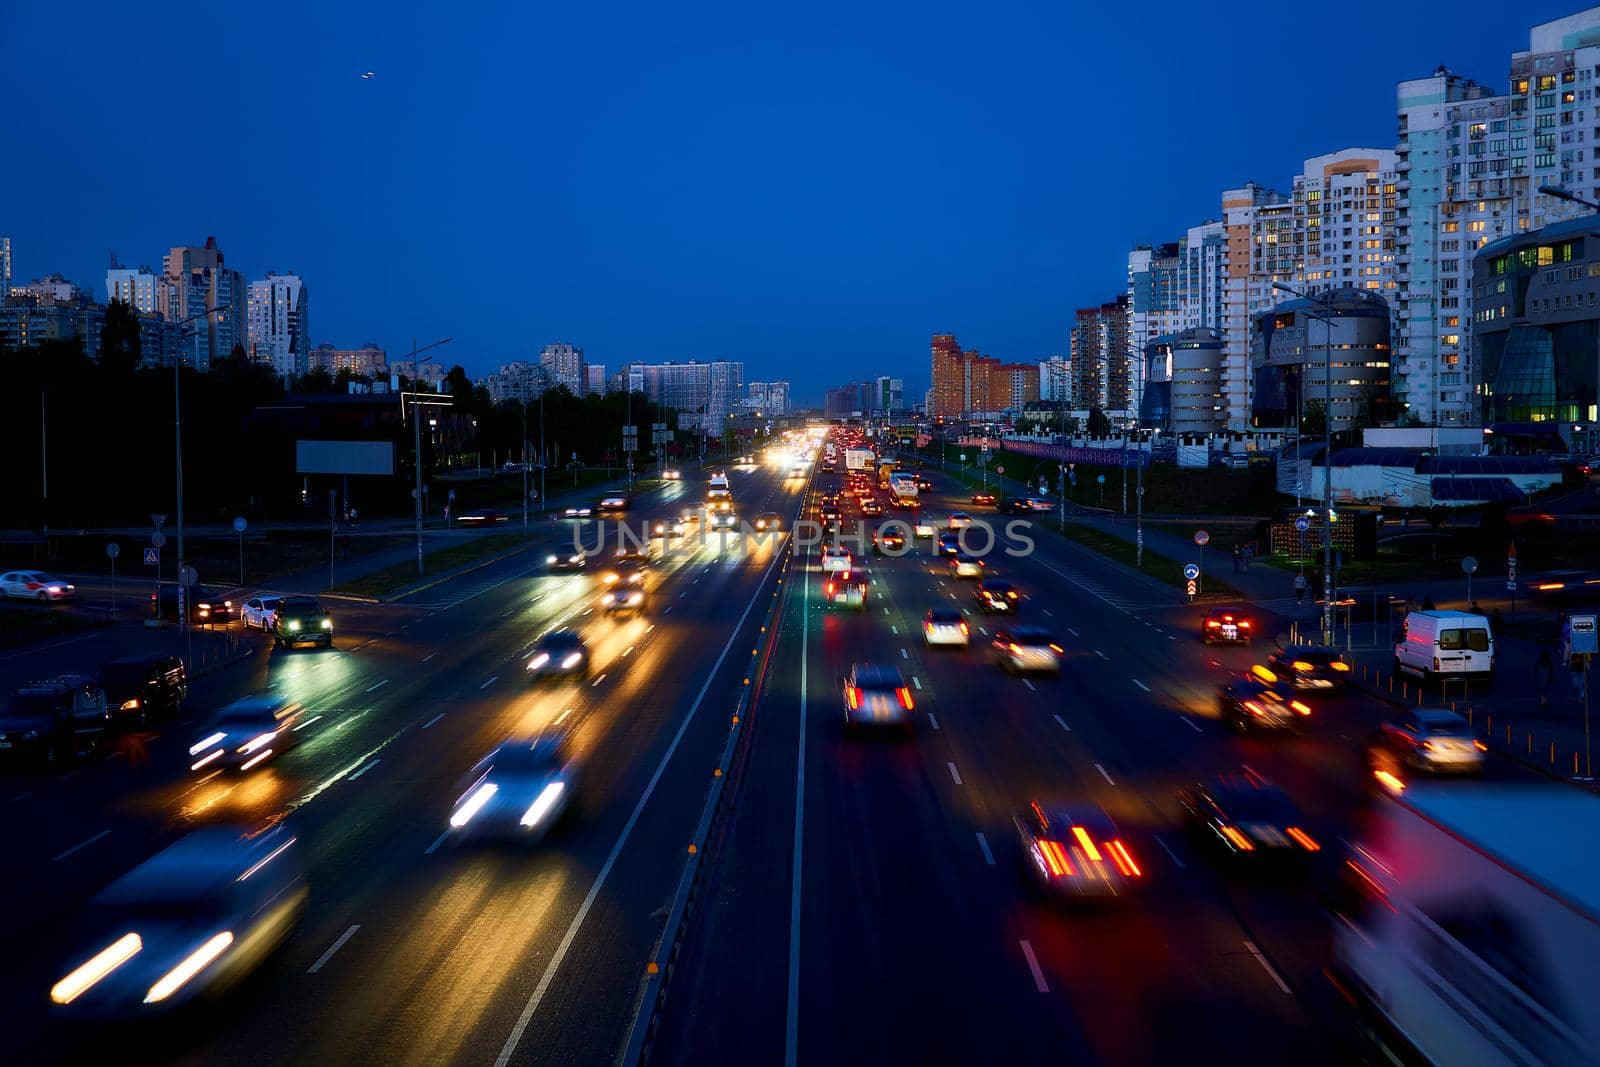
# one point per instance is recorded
(1303, 839)
(1213, 624)
(964, 629)
(1055, 858)
(1124, 859)
(905, 697)
(853, 695)
(828, 589)
(1244, 624)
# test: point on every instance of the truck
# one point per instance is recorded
(1469, 929)
(887, 465)
(858, 459)
(718, 496)
(903, 489)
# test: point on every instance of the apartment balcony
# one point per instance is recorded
(1402, 166)
(1403, 204)
(1403, 277)
(1402, 259)
(1403, 185)
(1403, 148)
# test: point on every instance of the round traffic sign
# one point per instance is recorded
(1302, 524)
(1191, 571)
(1101, 478)
(113, 550)
(158, 539)
(1201, 537)
(1469, 564)
(999, 470)
(239, 524)
(188, 577)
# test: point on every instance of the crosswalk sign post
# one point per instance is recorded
(152, 557)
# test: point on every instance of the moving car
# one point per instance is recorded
(299, 619)
(1258, 701)
(1026, 648)
(835, 558)
(923, 527)
(205, 606)
(1228, 626)
(768, 520)
(672, 474)
(246, 734)
(724, 520)
(141, 689)
(876, 694)
(1445, 644)
(54, 720)
(847, 587)
(666, 528)
(997, 598)
(190, 922)
(871, 505)
(949, 543)
(1433, 739)
(1310, 666)
(945, 626)
(963, 565)
(1076, 851)
(519, 790)
(559, 653)
(35, 585)
(615, 502)
(983, 500)
(959, 520)
(1242, 816)
(890, 540)
(627, 596)
(483, 517)
(579, 511)
(1016, 505)
(571, 561)
(260, 611)
(924, 483)
(624, 572)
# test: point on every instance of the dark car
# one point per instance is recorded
(949, 543)
(483, 517)
(924, 483)
(566, 561)
(301, 618)
(1227, 626)
(1253, 703)
(206, 606)
(141, 689)
(1016, 505)
(890, 540)
(998, 597)
(559, 653)
(51, 721)
(1075, 851)
(1310, 666)
(1243, 817)
(1026, 648)
(876, 694)
(985, 500)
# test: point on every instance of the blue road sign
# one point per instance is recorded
(1302, 524)
(1191, 571)
(152, 557)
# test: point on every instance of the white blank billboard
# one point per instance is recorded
(344, 457)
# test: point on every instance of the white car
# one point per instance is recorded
(945, 626)
(923, 527)
(672, 474)
(835, 559)
(580, 512)
(960, 520)
(260, 612)
(35, 585)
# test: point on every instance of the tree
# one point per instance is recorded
(315, 380)
(119, 340)
(1099, 423)
(1314, 419)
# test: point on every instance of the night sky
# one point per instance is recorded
(813, 189)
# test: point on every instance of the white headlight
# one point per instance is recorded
(327, 624)
(538, 661)
(572, 661)
(549, 559)
(473, 804)
(542, 804)
(200, 746)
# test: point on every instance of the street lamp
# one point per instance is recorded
(177, 439)
(416, 427)
(1566, 194)
(1327, 456)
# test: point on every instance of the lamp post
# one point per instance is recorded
(44, 461)
(416, 429)
(1327, 456)
(177, 441)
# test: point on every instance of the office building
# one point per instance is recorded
(563, 364)
(195, 281)
(5, 267)
(1536, 337)
(766, 398)
(1298, 345)
(138, 287)
(278, 324)
(1183, 391)
(1153, 309)
(594, 378)
(891, 395)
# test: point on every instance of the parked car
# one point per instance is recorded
(260, 611)
(141, 689)
(51, 721)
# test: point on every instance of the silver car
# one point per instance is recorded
(260, 612)
(1435, 740)
(876, 694)
(517, 791)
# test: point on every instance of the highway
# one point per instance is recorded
(415, 950)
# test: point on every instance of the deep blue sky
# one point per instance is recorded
(813, 188)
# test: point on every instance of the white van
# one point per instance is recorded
(1453, 644)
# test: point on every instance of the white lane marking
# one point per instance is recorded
(433, 720)
(436, 843)
(1169, 852)
(683, 594)
(667, 610)
(68, 775)
(955, 774)
(1029, 683)
(933, 720)
(904, 654)
(322, 961)
(307, 722)
(1104, 774)
(506, 612)
(365, 769)
(1265, 966)
(791, 1037)
(983, 631)
(628, 651)
(894, 630)
(597, 681)
(80, 845)
(1050, 613)
(1194, 726)
(562, 717)
(886, 611)
(1033, 965)
(1071, 631)
(1063, 723)
(983, 844)
(1171, 638)
(487, 684)
(1141, 685)
(652, 626)
(595, 889)
(429, 656)
(1102, 655)
(380, 685)
(22, 796)
(916, 682)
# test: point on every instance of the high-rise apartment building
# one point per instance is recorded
(703, 394)
(520, 380)
(563, 363)
(767, 398)
(1101, 373)
(195, 281)
(594, 378)
(5, 267)
(279, 324)
(949, 377)
(137, 286)
(369, 360)
(1240, 210)
(52, 287)
(1055, 379)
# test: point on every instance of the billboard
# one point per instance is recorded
(344, 457)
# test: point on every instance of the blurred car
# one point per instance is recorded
(1026, 648)
(945, 626)
(613, 503)
(890, 540)
(672, 474)
(949, 543)
(205, 605)
(963, 565)
(35, 585)
(190, 922)
(983, 500)
(1255, 703)
(835, 558)
(1435, 740)
(924, 483)
(997, 597)
(871, 505)
(1076, 851)
(689, 515)
(876, 694)
(483, 517)
(1310, 666)
(959, 520)
(624, 571)
(579, 511)
(54, 720)
(625, 598)
(1036, 503)
(141, 689)
(1016, 505)
(847, 587)
(246, 734)
(300, 619)
(667, 528)
(260, 611)
(571, 561)
(923, 527)
(1243, 816)
(519, 791)
(1227, 626)
(559, 653)
(768, 520)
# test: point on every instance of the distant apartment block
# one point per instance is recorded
(139, 287)
(279, 324)
(563, 364)
(196, 281)
(368, 361)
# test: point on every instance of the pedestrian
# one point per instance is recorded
(1299, 588)
(1497, 622)
(1249, 554)
(1543, 671)
(1474, 609)
(1238, 556)
(1575, 669)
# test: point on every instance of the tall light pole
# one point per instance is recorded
(44, 461)
(1327, 453)
(416, 428)
(177, 440)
